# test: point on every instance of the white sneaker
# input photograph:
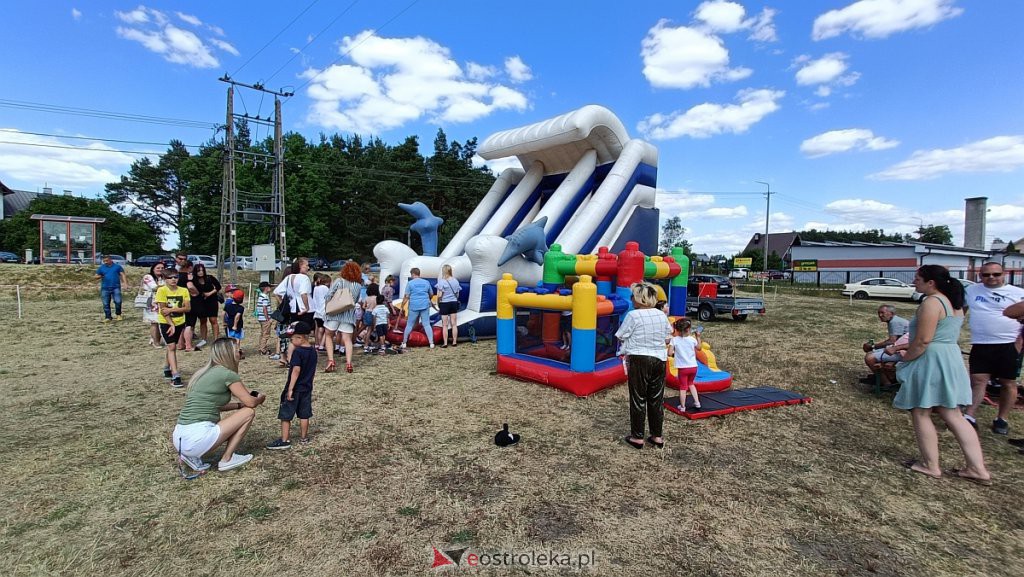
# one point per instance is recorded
(201, 343)
(236, 461)
(431, 345)
(404, 346)
(274, 357)
(194, 463)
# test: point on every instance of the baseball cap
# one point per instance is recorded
(298, 328)
(238, 295)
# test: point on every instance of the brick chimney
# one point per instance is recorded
(974, 222)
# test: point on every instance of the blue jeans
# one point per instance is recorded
(105, 294)
(424, 318)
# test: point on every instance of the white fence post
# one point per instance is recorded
(17, 290)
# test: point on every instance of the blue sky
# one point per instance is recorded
(859, 114)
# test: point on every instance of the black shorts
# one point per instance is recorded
(301, 405)
(305, 317)
(1000, 360)
(319, 322)
(190, 319)
(170, 339)
(379, 332)
(448, 308)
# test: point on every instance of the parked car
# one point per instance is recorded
(242, 262)
(692, 286)
(205, 259)
(739, 273)
(916, 297)
(887, 288)
(335, 265)
(9, 257)
(149, 260)
(318, 263)
(118, 259)
(779, 275)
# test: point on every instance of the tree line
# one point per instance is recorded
(341, 196)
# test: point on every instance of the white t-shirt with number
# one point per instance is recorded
(986, 306)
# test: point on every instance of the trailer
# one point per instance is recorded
(737, 307)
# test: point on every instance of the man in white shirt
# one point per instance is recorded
(993, 342)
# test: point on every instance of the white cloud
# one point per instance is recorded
(189, 19)
(31, 159)
(844, 140)
(76, 14)
(476, 71)
(498, 165)
(225, 46)
(724, 212)
(517, 70)
(721, 16)
(152, 29)
(686, 57)
(708, 119)
(821, 71)
(681, 202)
(728, 17)
(997, 154)
(393, 81)
(882, 18)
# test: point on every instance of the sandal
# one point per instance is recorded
(348, 367)
(910, 463)
(660, 445)
(634, 444)
(331, 367)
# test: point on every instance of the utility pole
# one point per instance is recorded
(764, 272)
(256, 207)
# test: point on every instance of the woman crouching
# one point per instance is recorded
(200, 428)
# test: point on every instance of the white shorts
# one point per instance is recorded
(884, 357)
(197, 439)
(337, 326)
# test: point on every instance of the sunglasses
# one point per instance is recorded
(991, 274)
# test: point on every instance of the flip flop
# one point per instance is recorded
(909, 464)
(330, 368)
(976, 480)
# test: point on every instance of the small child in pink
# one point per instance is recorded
(684, 348)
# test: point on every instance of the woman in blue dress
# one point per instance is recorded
(934, 378)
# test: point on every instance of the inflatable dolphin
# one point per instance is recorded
(426, 225)
(529, 242)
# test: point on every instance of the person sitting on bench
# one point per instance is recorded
(876, 355)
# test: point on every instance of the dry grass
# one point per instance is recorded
(403, 459)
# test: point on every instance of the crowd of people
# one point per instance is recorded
(310, 315)
(331, 316)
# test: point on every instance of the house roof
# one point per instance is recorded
(16, 201)
(778, 242)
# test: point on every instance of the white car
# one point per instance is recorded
(742, 273)
(916, 297)
(204, 259)
(885, 288)
(241, 262)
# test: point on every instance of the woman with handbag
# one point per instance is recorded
(144, 300)
(339, 312)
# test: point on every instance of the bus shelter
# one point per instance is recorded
(67, 239)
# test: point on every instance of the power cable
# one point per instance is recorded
(276, 36)
(13, 131)
(354, 46)
(312, 40)
(89, 112)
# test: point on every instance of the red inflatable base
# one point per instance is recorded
(579, 384)
(707, 380)
(417, 338)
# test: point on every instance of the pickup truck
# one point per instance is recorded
(737, 307)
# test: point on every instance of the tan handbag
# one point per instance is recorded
(341, 302)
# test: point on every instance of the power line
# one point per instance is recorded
(354, 46)
(13, 131)
(276, 36)
(82, 149)
(93, 113)
(313, 39)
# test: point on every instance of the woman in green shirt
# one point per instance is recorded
(200, 428)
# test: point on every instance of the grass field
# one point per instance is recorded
(403, 459)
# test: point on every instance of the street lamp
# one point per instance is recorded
(767, 215)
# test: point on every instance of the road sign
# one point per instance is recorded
(810, 265)
(742, 261)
